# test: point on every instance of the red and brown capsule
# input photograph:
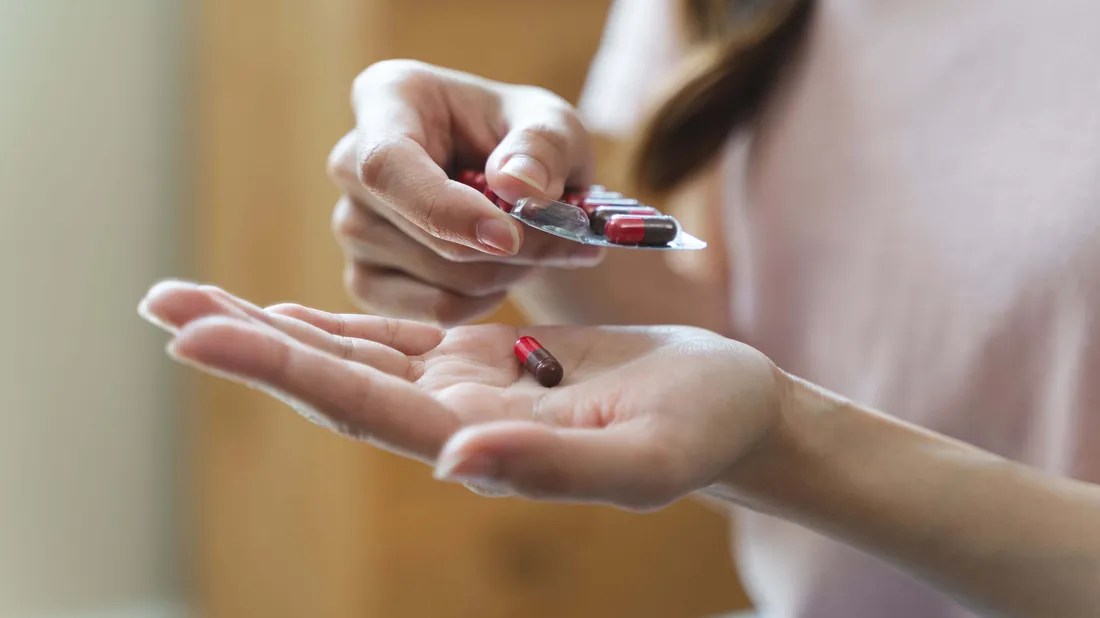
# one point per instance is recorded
(538, 362)
(495, 199)
(479, 181)
(641, 230)
(602, 214)
(590, 204)
(467, 177)
(577, 198)
(573, 198)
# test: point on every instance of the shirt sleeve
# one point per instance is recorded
(641, 48)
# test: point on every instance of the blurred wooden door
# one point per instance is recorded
(294, 522)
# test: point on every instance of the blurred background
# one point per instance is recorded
(143, 139)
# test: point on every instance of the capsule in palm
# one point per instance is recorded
(538, 361)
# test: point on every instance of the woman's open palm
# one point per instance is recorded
(643, 416)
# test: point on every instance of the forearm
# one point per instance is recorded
(995, 534)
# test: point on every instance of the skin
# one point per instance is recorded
(649, 415)
(646, 415)
(410, 235)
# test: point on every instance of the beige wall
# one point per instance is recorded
(89, 199)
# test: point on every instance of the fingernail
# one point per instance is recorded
(143, 311)
(168, 284)
(499, 235)
(172, 350)
(489, 489)
(147, 315)
(528, 170)
(473, 469)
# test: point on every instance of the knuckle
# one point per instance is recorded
(545, 98)
(358, 237)
(343, 224)
(341, 160)
(427, 216)
(451, 310)
(431, 215)
(341, 324)
(359, 284)
(293, 310)
(548, 134)
(280, 364)
(388, 72)
(374, 161)
(349, 417)
(346, 345)
(371, 295)
(393, 330)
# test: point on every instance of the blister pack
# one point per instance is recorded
(595, 217)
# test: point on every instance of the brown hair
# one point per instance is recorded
(740, 46)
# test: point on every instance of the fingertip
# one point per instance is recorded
(528, 170)
(201, 332)
(172, 305)
(488, 489)
(475, 469)
(499, 234)
(162, 306)
(214, 345)
(221, 293)
(453, 452)
(476, 453)
(161, 289)
(493, 231)
(511, 188)
(540, 150)
(147, 313)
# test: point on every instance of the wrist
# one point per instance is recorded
(846, 470)
(766, 477)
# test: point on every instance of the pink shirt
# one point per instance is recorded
(916, 226)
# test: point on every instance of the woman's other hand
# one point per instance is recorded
(643, 417)
(423, 246)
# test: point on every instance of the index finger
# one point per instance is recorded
(399, 162)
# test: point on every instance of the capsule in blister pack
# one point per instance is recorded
(595, 192)
(570, 222)
(598, 218)
(595, 216)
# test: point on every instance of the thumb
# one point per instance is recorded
(622, 465)
(546, 149)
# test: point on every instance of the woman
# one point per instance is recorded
(909, 198)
